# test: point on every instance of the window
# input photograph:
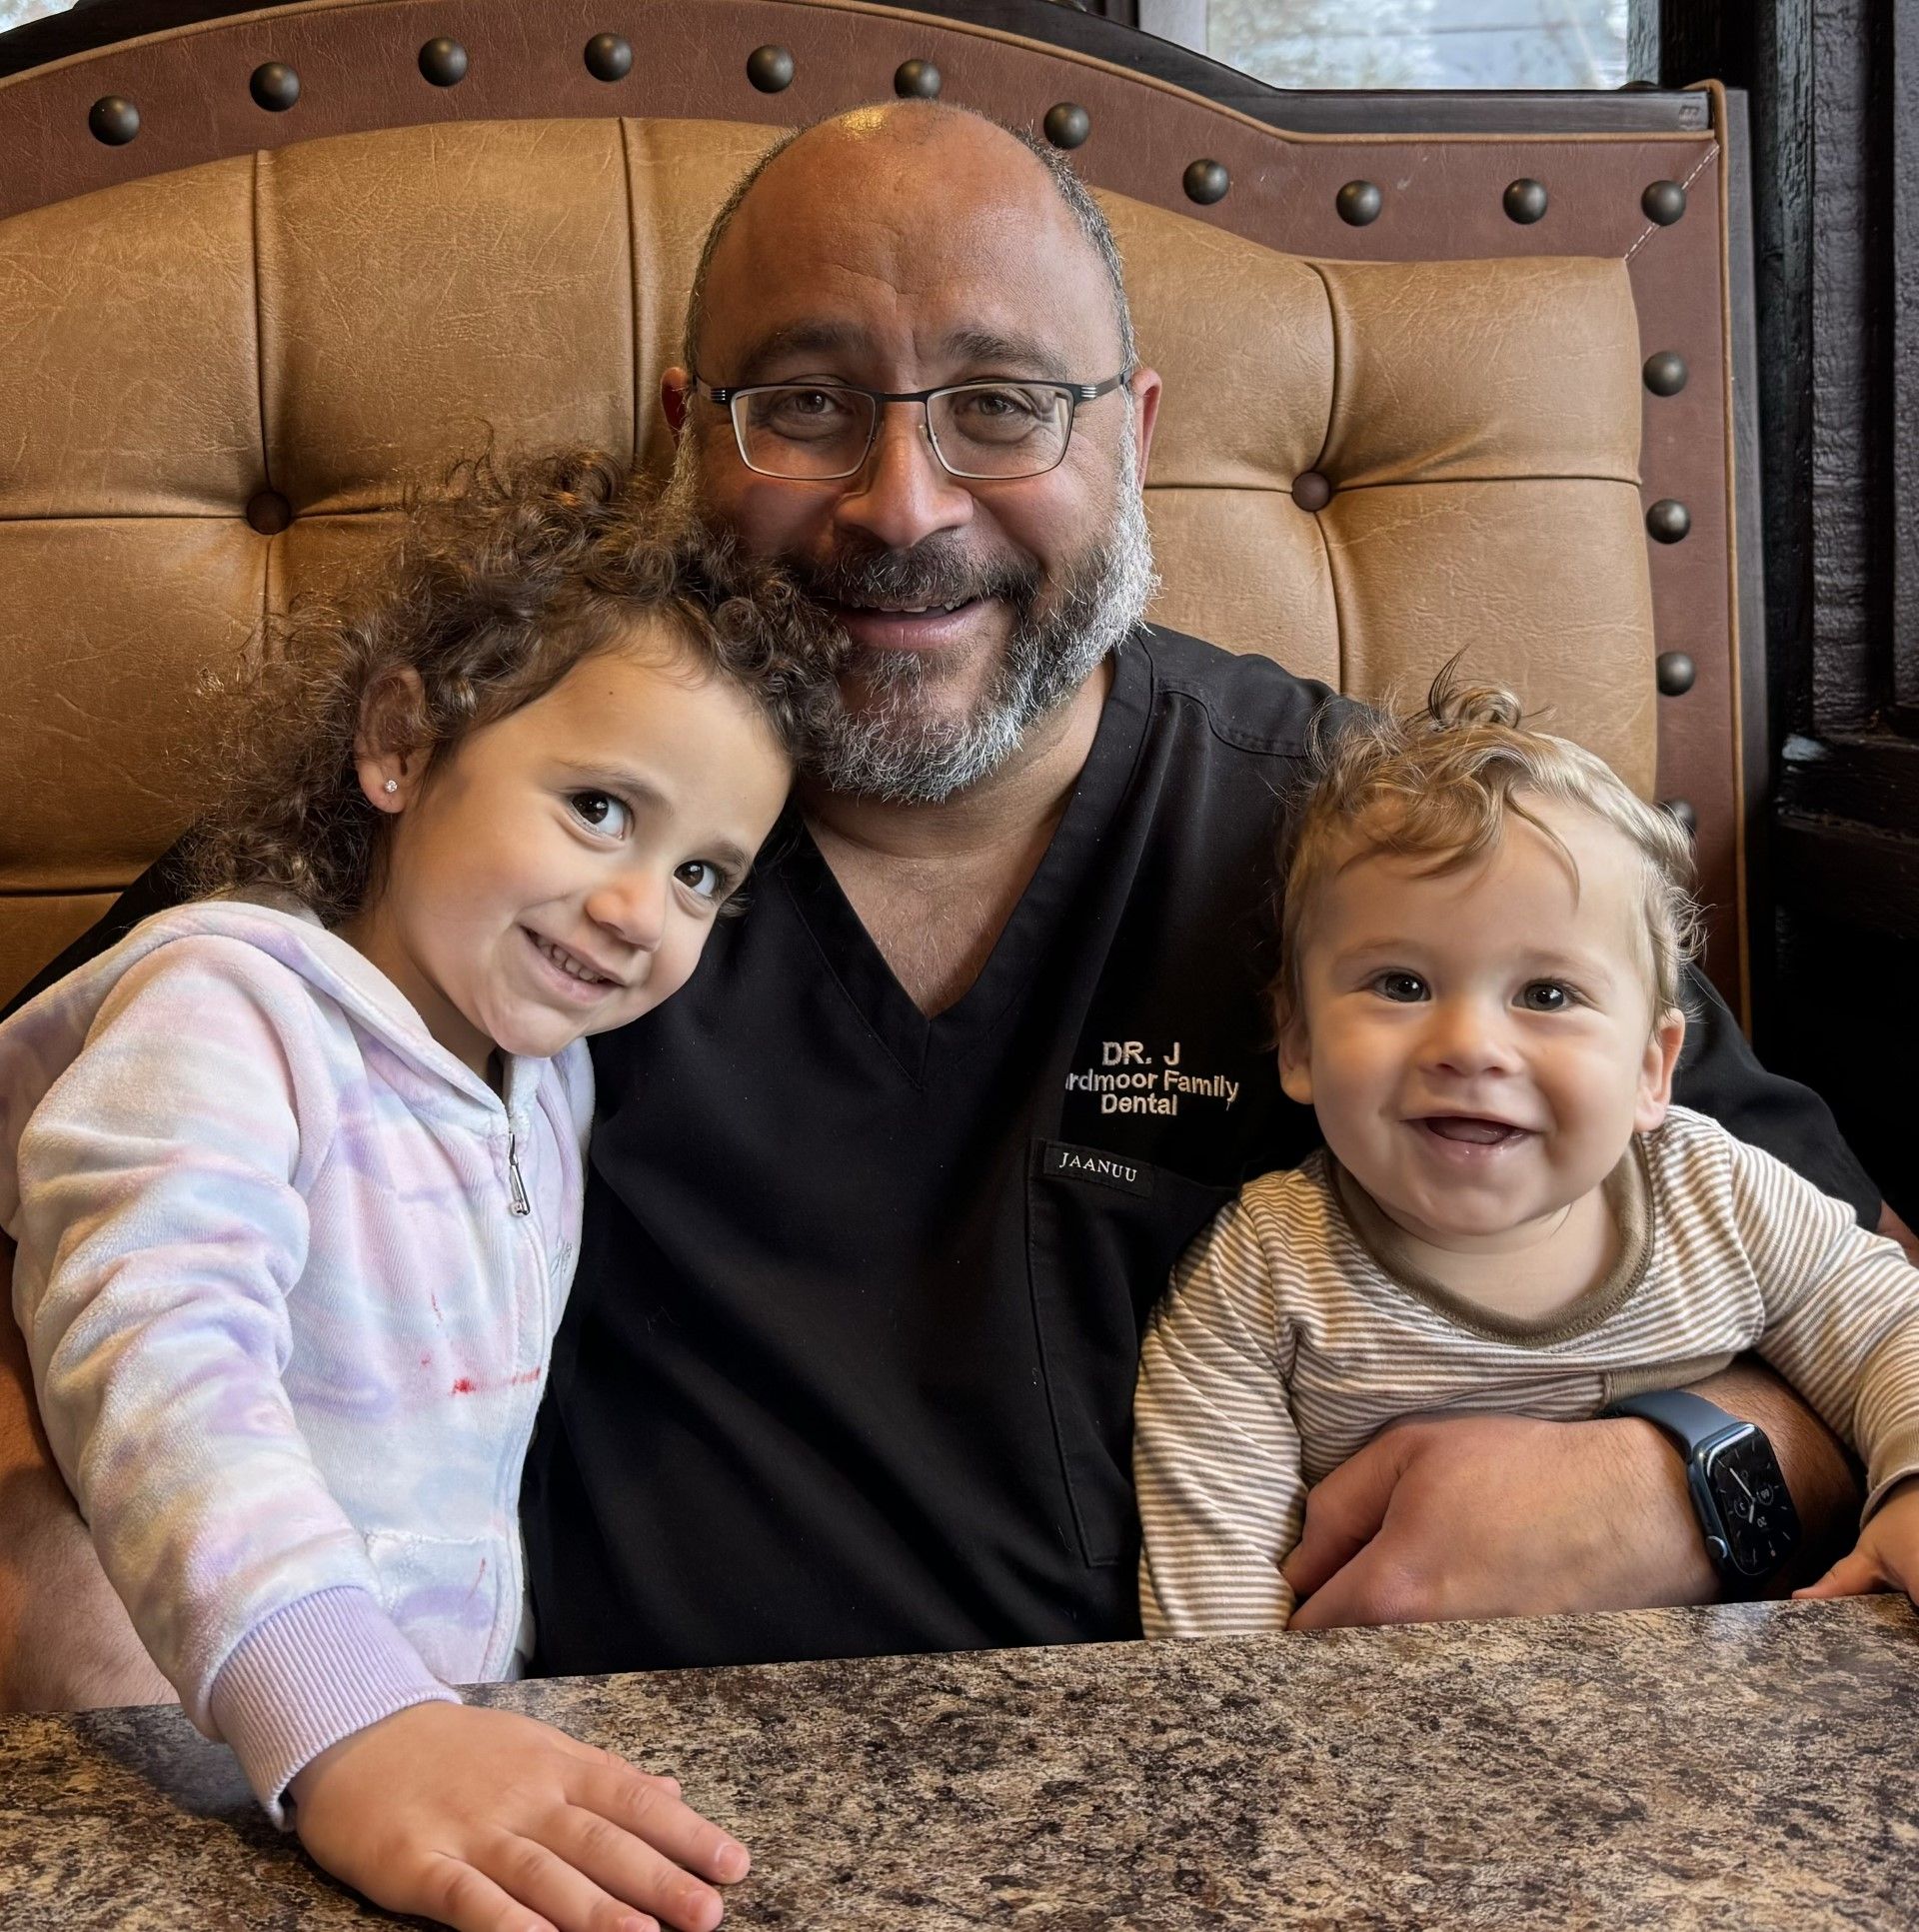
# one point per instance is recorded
(1402, 43)
(16, 13)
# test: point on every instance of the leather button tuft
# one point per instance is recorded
(1067, 124)
(916, 80)
(1311, 490)
(268, 513)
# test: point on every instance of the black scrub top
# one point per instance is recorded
(847, 1366)
(848, 1362)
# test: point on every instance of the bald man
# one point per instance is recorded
(881, 1201)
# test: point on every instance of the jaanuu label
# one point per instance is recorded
(1104, 1169)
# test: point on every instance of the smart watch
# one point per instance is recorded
(1738, 1493)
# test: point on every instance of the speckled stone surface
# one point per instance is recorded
(1746, 1767)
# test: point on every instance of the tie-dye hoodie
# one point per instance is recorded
(289, 1274)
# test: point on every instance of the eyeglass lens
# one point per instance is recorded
(979, 430)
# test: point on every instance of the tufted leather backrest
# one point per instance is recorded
(225, 377)
(1425, 389)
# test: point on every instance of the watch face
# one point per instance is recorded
(1761, 1526)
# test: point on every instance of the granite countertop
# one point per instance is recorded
(1750, 1766)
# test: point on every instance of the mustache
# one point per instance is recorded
(934, 572)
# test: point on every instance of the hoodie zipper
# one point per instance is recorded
(517, 1187)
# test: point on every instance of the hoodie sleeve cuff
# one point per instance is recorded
(322, 1668)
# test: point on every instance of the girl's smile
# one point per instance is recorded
(556, 872)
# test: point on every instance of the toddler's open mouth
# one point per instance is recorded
(1472, 1130)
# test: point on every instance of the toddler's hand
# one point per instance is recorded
(1886, 1557)
(490, 1822)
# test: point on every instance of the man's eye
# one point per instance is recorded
(1402, 988)
(602, 812)
(1545, 995)
(808, 411)
(701, 877)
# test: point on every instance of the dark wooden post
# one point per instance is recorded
(1834, 90)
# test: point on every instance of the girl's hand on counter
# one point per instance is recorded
(1886, 1556)
(492, 1822)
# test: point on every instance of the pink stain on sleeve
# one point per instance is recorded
(463, 1386)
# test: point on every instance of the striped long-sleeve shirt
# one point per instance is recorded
(1292, 1334)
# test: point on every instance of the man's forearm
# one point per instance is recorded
(1820, 1476)
(65, 1641)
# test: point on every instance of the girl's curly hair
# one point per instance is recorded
(499, 585)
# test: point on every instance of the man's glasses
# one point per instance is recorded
(821, 432)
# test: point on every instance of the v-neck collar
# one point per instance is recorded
(923, 1046)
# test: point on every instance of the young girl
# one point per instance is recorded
(1483, 937)
(295, 1170)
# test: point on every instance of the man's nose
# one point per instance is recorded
(903, 494)
(632, 906)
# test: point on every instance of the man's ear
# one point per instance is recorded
(385, 750)
(1655, 1071)
(1295, 1062)
(676, 389)
(1146, 390)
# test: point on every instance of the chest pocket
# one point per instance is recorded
(1102, 1234)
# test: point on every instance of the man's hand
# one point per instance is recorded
(480, 1817)
(65, 1641)
(1500, 1516)
(1886, 1557)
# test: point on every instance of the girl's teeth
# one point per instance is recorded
(568, 965)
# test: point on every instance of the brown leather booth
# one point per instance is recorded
(1423, 391)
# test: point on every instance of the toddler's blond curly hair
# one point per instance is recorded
(1441, 785)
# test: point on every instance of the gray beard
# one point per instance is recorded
(893, 745)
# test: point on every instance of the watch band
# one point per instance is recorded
(1690, 1421)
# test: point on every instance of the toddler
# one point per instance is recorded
(295, 1170)
(1484, 932)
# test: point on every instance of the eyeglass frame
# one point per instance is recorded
(1074, 393)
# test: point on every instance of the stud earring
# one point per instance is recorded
(393, 784)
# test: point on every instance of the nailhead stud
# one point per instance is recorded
(1675, 671)
(1668, 520)
(1525, 201)
(1206, 182)
(609, 57)
(443, 62)
(770, 69)
(1666, 372)
(1359, 203)
(916, 80)
(1067, 124)
(113, 119)
(274, 86)
(1664, 202)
